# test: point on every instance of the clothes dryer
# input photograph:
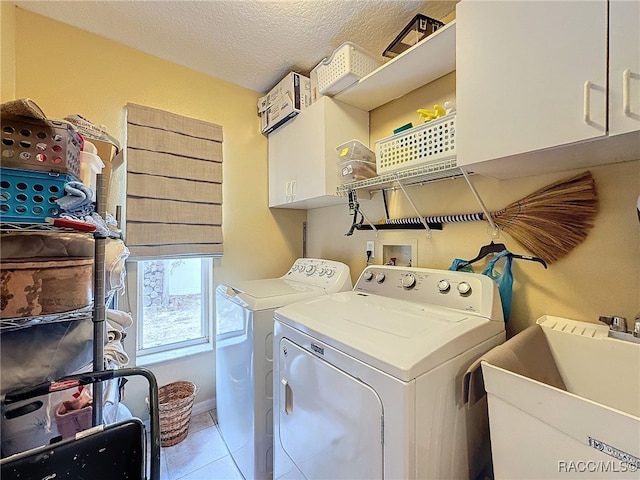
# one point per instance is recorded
(368, 383)
(244, 340)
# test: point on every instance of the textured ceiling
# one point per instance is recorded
(250, 43)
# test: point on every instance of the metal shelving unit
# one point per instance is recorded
(96, 312)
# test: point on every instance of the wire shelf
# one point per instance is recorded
(8, 324)
(417, 175)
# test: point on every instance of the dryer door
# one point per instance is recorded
(330, 422)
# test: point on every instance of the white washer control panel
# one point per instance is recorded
(327, 274)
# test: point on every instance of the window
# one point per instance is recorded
(174, 307)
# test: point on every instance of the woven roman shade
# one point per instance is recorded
(174, 185)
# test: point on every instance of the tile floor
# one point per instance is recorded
(201, 456)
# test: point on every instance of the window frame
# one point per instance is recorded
(184, 347)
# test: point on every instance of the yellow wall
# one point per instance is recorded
(7, 51)
(600, 276)
(66, 71)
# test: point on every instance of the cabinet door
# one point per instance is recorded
(303, 161)
(522, 73)
(624, 66)
(280, 184)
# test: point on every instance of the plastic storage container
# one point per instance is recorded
(32, 145)
(24, 425)
(29, 196)
(346, 65)
(419, 28)
(357, 162)
(90, 166)
(426, 143)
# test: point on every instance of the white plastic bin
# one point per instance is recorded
(427, 143)
(564, 402)
(90, 166)
(346, 65)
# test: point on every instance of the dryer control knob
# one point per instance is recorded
(380, 277)
(464, 288)
(444, 286)
(310, 269)
(330, 273)
(368, 275)
(408, 281)
(322, 271)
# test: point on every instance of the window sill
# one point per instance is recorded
(178, 353)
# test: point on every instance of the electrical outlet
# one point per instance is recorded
(371, 247)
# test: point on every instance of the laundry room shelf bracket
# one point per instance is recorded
(415, 209)
(495, 231)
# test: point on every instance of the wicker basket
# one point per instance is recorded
(175, 403)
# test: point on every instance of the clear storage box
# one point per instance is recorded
(346, 65)
(357, 161)
(419, 28)
(353, 170)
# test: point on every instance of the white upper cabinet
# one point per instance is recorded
(532, 83)
(624, 66)
(304, 169)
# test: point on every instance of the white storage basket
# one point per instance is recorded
(346, 65)
(426, 143)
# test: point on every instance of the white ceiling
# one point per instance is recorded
(251, 43)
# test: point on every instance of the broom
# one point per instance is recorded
(549, 222)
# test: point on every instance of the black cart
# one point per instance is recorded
(110, 452)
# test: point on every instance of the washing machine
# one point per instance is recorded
(244, 340)
(368, 383)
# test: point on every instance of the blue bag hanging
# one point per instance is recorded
(503, 279)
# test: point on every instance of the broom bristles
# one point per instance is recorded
(553, 220)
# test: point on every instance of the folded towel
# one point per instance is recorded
(114, 333)
(118, 318)
(116, 253)
(77, 199)
(114, 351)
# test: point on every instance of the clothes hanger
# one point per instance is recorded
(484, 251)
(492, 248)
(529, 257)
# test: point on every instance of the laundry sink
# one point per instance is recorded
(563, 402)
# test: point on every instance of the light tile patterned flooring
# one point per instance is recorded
(203, 455)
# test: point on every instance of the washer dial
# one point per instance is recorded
(464, 288)
(408, 281)
(444, 286)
